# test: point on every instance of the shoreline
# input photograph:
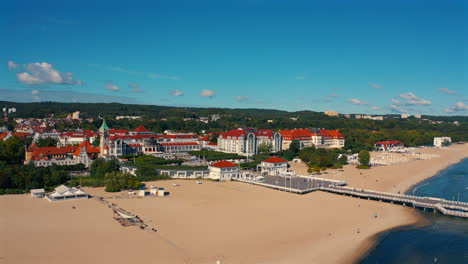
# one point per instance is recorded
(373, 241)
(238, 223)
(435, 175)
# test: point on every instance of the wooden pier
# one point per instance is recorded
(446, 207)
(300, 185)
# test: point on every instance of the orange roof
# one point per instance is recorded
(45, 151)
(233, 133)
(205, 139)
(223, 164)
(21, 135)
(89, 148)
(3, 135)
(298, 134)
(141, 129)
(275, 160)
(32, 147)
(331, 134)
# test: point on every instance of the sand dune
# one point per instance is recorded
(202, 223)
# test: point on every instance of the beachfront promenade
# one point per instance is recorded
(303, 185)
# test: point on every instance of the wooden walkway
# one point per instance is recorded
(446, 207)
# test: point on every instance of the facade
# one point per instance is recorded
(246, 141)
(141, 140)
(274, 166)
(331, 113)
(223, 171)
(180, 147)
(320, 138)
(85, 153)
(439, 141)
(332, 138)
(75, 138)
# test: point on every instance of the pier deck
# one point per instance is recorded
(303, 185)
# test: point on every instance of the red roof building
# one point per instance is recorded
(275, 160)
(388, 144)
(223, 164)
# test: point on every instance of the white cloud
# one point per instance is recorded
(457, 107)
(375, 85)
(207, 93)
(412, 99)
(36, 98)
(375, 108)
(446, 90)
(43, 73)
(35, 92)
(333, 95)
(242, 98)
(357, 101)
(12, 65)
(395, 102)
(396, 108)
(112, 87)
(135, 88)
(409, 96)
(418, 102)
(176, 92)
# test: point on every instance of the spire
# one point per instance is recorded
(104, 126)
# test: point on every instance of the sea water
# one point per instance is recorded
(445, 240)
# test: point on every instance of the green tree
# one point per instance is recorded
(100, 167)
(96, 142)
(295, 146)
(117, 181)
(364, 157)
(47, 142)
(265, 148)
(214, 138)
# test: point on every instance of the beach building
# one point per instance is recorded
(389, 145)
(223, 171)
(66, 193)
(37, 193)
(440, 141)
(273, 166)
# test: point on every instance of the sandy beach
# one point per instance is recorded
(231, 222)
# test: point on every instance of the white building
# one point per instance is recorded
(439, 141)
(274, 166)
(246, 141)
(37, 193)
(66, 193)
(223, 171)
(320, 138)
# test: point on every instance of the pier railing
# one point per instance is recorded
(453, 208)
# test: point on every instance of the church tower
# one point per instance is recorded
(104, 141)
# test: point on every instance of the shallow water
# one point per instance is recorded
(445, 240)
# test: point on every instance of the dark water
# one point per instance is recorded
(445, 240)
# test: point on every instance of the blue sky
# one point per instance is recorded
(349, 56)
